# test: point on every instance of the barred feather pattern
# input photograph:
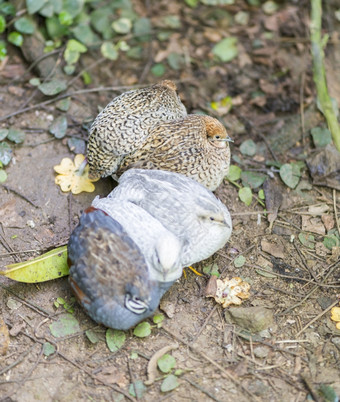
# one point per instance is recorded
(125, 123)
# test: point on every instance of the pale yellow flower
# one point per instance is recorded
(335, 311)
(73, 176)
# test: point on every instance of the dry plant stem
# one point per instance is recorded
(9, 189)
(319, 72)
(317, 317)
(335, 211)
(302, 112)
(210, 360)
(204, 391)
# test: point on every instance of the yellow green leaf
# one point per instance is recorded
(46, 267)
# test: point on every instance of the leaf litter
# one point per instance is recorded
(277, 99)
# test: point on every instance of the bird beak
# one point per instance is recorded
(226, 224)
(227, 139)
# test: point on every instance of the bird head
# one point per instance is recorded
(167, 257)
(216, 132)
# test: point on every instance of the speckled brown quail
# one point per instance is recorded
(125, 123)
(196, 146)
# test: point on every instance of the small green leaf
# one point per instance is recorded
(3, 176)
(191, 3)
(166, 363)
(331, 241)
(261, 195)
(136, 52)
(175, 60)
(48, 266)
(242, 18)
(63, 104)
(53, 87)
(73, 7)
(7, 8)
(142, 29)
(71, 57)
(158, 318)
(76, 145)
(172, 21)
(75, 46)
(252, 179)
(15, 38)
(2, 24)
(87, 79)
(24, 25)
(134, 355)
(5, 153)
(109, 51)
(211, 269)
(234, 173)
(101, 19)
(122, 25)
(65, 325)
(34, 5)
(3, 50)
(139, 387)
(307, 240)
(15, 135)
(265, 273)
(226, 49)
(65, 18)
(70, 69)
(142, 330)
(270, 7)
(35, 82)
(54, 27)
(321, 136)
(60, 300)
(47, 10)
(59, 127)
(239, 261)
(328, 394)
(115, 339)
(3, 133)
(248, 147)
(217, 2)
(48, 349)
(169, 383)
(245, 195)
(158, 69)
(290, 174)
(92, 336)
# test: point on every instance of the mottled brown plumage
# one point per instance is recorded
(125, 123)
(196, 146)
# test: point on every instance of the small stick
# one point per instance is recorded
(302, 111)
(335, 211)
(210, 360)
(132, 379)
(317, 317)
(20, 195)
(211, 396)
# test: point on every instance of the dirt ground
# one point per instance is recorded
(296, 354)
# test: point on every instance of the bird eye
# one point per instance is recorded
(212, 219)
(217, 137)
